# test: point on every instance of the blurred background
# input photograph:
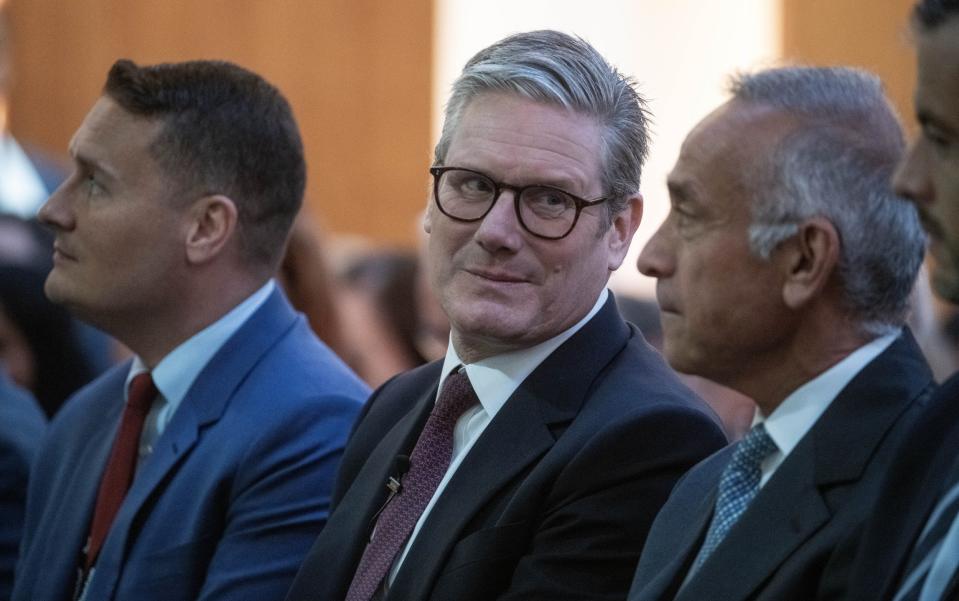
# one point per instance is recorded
(367, 80)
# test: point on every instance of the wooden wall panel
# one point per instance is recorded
(357, 73)
(866, 33)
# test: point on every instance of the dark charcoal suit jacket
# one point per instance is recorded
(555, 498)
(915, 483)
(784, 546)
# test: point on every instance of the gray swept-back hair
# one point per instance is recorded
(562, 70)
(838, 164)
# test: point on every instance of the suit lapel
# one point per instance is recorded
(780, 518)
(668, 580)
(203, 405)
(518, 436)
(69, 528)
(793, 505)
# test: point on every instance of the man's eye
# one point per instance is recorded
(91, 183)
(475, 185)
(936, 138)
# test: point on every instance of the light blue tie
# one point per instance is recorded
(938, 557)
(738, 485)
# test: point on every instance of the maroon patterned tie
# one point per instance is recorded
(428, 464)
(120, 467)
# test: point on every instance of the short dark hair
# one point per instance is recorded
(226, 131)
(929, 14)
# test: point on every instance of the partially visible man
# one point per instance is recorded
(187, 178)
(22, 424)
(910, 549)
(533, 472)
(784, 271)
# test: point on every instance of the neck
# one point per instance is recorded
(153, 335)
(807, 355)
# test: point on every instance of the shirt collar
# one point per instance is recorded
(797, 414)
(175, 373)
(496, 378)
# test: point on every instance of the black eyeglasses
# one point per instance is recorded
(544, 211)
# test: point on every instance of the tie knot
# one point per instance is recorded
(456, 397)
(142, 392)
(754, 448)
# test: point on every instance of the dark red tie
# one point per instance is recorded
(122, 463)
(428, 464)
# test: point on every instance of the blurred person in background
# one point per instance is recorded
(22, 425)
(43, 347)
(27, 177)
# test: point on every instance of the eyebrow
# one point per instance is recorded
(90, 164)
(680, 192)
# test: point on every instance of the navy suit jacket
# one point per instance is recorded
(555, 498)
(236, 489)
(783, 546)
(915, 483)
(21, 428)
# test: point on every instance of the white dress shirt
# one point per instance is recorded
(494, 379)
(800, 411)
(175, 373)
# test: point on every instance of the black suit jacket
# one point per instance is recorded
(914, 485)
(555, 498)
(782, 547)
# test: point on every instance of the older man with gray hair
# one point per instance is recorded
(528, 464)
(784, 271)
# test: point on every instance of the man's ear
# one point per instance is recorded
(808, 261)
(623, 228)
(213, 221)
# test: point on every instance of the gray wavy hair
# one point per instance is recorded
(838, 164)
(562, 70)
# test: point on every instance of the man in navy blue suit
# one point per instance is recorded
(202, 469)
(566, 430)
(21, 429)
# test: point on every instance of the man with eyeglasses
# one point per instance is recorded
(531, 461)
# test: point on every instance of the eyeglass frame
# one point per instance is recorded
(498, 187)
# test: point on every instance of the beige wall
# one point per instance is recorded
(357, 73)
(867, 33)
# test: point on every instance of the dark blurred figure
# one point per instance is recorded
(305, 277)
(41, 345)
(378, 308)
(38, 340)
(21, 428)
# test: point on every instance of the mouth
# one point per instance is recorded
(665, 305)
(60, 254)
(493, 275)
